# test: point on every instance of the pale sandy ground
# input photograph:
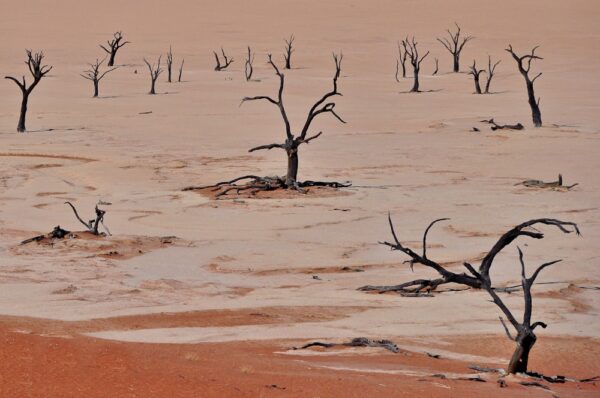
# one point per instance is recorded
(412, 155)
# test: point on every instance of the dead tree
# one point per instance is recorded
(180, 70)
(410, 47)
(248, 67)
(169, 63)
(447, 276)
(525, 337)
(473, 71)
(38, 71)
(288, 52)
(93, 74)
(455, 45)
(490, 73)
(524, 64)
(401, 61)
(290, 146)
(113, 46)
(437, 67)
(93, 224)
(155, 71)
(226, 61)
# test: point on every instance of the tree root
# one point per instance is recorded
(356, 342)
(255, 184)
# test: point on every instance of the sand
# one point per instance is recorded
(101, 306)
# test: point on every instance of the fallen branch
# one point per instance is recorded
(496, 126)
(57, 233)
(558, 184)
(356, 342)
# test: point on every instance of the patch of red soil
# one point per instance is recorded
(35, 364)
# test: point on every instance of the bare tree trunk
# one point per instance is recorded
(95, 88)
(152, 88)
(520, 358)
(111, 60)
(292, 168)
(180, 70)
(456, 66)
(536, 114)
(21, 126)
(169, 64)
(415, 88)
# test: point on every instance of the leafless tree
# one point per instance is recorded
(169, 63)
(401, 61)
(180, 70)
(288, 52)
(38, 71)
(490, 74)
(525, 337)
(155, 71)
(290, 146)
(410, 47)
(455, 45)
(248, 67)
(93, 224)
(226, 61)
(473, 71)
(437, 67)
(93, 74)
(113, 46)
(524, 64)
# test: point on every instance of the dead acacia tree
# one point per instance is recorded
(248, 67)
(525, 337)
(447, 276)
(410, 47)
(38, 71)
(287, 55)
(490, 73)
(290, 146)
(155, 71)
(401, 61)
(473, 71)
(437, 67)
(93, 224)
(455, 45)
(113, 46)
(93, 74)
(226, 61)
(524, 64)
(169, 63)
(180, 71)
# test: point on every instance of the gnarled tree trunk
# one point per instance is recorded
(21, 126)
(520, 357)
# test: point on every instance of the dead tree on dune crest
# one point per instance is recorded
(524, 65)
(155, 71)
(490, 74)
(113, 46)
(447, 276)
(290, 146)
(410, 47)
(455, 45)
(473, 71)
(94, 75)
(248, 69)
(287, 56)
(38, 71)
(226, 61)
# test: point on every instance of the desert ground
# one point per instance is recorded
(193, 296)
